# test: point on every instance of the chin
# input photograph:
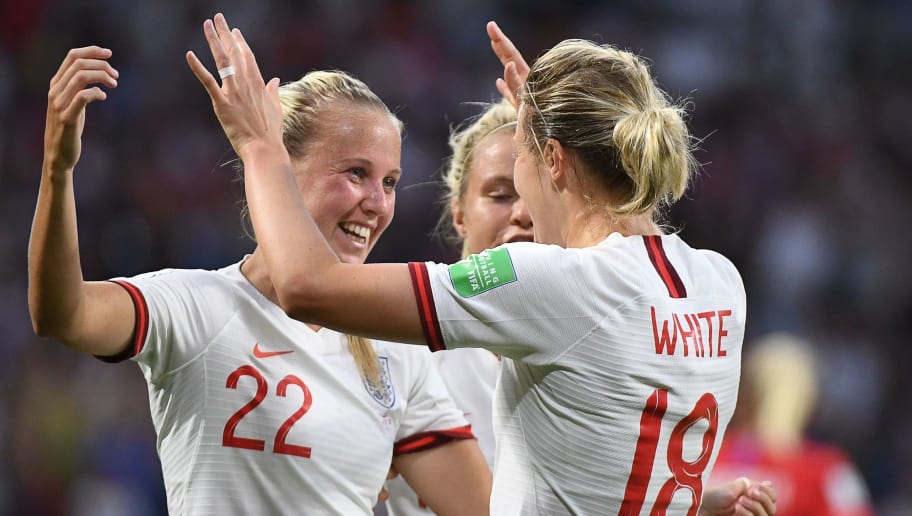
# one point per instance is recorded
(351, 259)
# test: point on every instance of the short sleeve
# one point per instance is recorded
(431, 416)
(178, 314)
(524, 301)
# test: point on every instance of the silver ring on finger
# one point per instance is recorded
(226, 72)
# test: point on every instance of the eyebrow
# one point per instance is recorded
(499, 177)
(368, 163)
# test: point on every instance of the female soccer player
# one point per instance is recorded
(257, 413)
(484, 211)
(620, 345)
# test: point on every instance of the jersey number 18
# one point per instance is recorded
(685, 475)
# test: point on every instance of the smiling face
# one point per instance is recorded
(348, 175)
(490, 212)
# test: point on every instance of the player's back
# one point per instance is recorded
(627, 413)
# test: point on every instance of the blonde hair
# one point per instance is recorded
(464, 139)
(303, 102)
(603, 103)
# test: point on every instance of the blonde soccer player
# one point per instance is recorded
(255, 412)
(483, 211)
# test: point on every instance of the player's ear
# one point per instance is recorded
(458, 217)
(556, 159)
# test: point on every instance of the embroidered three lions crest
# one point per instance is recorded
(384, 393)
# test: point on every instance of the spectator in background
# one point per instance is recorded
(767, 437)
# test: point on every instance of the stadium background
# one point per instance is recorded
(804, 107)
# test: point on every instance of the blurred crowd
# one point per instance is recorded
(800, 107)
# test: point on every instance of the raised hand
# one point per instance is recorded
(71, 89)
(248, 110)
(740, 497)
(515, 67)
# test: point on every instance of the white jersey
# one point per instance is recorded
(620, 370)
(470, 376)
(257, 414)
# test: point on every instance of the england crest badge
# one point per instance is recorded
(384, 394)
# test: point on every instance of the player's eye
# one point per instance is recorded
(502, 195)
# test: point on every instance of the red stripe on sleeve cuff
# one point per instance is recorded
(427, 440)
(141, 325)
(421, 283)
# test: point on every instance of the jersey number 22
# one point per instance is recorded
(279, 446)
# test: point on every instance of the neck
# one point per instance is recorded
(586, 226)
(254, 269)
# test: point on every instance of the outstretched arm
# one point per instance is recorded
(515, 67)
(311, 283)
(740, 497)
(93, 317)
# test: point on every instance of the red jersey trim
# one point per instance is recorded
(141, 327)
(427, 440)
(427, 311)
(663, 266)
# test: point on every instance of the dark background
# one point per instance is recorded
(803, 107)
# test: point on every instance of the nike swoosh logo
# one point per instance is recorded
(259, 353)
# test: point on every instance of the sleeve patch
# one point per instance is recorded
(482, 272)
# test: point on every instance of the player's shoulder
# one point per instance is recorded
(227, 281)
(674, 244)
(700, 261)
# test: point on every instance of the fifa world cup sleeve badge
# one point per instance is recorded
(482, 272)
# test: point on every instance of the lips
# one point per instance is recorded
(359, 233)
(519, 237)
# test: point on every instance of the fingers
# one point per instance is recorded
(764, 494)
(76, 81)
(247, 56)
(81, 99)
(759, 500)
(72, 86)
(206, 78)
(226, 38)
(501, 45)
(510, 85)
(506, 93)
(221, 42)
(513, 79)
(515, 67)
(92, 52)
(506, 51)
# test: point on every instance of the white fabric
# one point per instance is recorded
(470, 376)
(580, 362)
(203, 328)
